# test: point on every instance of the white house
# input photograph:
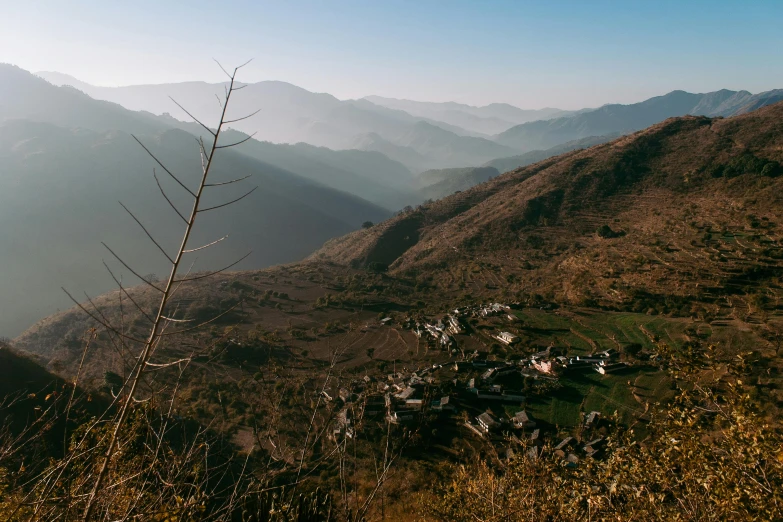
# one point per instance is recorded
(507, 338)
(487, 422)
(523, 420)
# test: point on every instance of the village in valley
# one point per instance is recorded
(486, 395)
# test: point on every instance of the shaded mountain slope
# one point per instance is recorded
(21, 375)
(32, 405)
(409, 157)
(444, 149)
(682, 208)
(65, 168)
(368, 174)
(22, 95)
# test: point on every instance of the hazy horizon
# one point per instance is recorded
(45, 73)
(530, 56)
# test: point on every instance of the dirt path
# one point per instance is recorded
(648, 333)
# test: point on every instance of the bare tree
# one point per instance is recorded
(122, 464)
(163, 324)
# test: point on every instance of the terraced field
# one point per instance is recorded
(585, 331)
(630, 392)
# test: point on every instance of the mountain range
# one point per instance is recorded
(69, 156)
(676, 226)
(660, 249)
(687, 209)
(290, 114)
(419, 135)
(487, 120)
(617, 118)
(67, 159)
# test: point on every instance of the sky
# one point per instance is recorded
(565, 54)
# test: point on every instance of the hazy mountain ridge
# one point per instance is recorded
(426, 147)
(61, 184)
(421, 135)
(447, 150)
(616, 118)
(22, 96)
(367, 174)
(489, 119)
(443, 182)
(534, 156)
(290, 114)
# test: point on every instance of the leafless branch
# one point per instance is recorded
(246, 194)
(166, 365)
(171, 319)
(227, 182)
(205, 246)
(167, 198)
(210, 274)
(159, 323)
(147, 232)
(175, 178)
(118, 258)
(194, 118)
(243, 117)
(240, 142)
(230, 77)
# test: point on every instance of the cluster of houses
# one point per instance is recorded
(443, 330)
(489, 310)
(569, 449)
(405, 396)
(546, 364)
(440, 331)
(602, 362)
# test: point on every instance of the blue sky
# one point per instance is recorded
(567, 54)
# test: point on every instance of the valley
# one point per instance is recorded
(443, 300)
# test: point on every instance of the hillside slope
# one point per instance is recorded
(684, 208)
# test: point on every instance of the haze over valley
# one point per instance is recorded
(345, 161)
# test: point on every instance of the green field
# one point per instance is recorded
(608, 394)
(582, 332)
(628, 392)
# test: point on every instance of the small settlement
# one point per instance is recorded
(488, 397)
